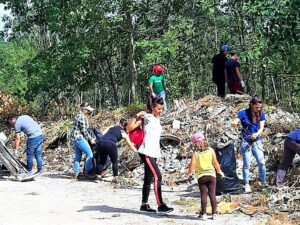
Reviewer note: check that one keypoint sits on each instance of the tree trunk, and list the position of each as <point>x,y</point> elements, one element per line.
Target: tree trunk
<point>132,64</point>
<point>111,77</point>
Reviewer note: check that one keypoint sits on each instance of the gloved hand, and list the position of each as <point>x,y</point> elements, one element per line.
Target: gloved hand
<point>221,173</point>
<point>153,95</point>
<point>190,179</point>
<point>243,84</point>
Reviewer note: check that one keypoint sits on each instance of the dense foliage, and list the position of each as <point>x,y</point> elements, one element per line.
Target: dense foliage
<point>60,52</point>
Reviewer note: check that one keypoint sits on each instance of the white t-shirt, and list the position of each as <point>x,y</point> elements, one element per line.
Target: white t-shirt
<point>151,142</point>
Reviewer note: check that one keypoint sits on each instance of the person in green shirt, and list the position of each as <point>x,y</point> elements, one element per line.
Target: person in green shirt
<point>157,84</point>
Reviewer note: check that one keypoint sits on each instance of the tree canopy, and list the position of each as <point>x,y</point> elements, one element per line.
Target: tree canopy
<point>65,51</point>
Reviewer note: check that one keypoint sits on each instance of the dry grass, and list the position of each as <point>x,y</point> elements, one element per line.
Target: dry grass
<point>280,219</point>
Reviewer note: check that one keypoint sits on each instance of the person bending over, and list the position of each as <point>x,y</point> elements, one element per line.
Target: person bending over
<point>108,146</point>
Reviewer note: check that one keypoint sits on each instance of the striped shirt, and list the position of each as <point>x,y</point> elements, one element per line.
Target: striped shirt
<point>80,128</point>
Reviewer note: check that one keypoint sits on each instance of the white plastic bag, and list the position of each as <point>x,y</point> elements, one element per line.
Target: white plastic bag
<point>243,84</point>
<point>176,124</point>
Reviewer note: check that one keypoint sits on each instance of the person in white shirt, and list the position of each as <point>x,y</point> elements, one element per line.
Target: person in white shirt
<point>149,151</point>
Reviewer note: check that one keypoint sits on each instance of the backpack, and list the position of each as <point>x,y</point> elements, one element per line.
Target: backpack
<point>137,135</point>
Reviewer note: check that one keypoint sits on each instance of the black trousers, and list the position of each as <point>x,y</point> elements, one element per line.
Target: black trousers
<point>291,148</point>
<point>151,171</point>
<point>108,149</point>
<point>221,89</point>
<point>208,184</point>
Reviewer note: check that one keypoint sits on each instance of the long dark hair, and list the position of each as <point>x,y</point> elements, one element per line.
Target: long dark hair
<point>123,122</point>
<point>152,101</point>
<point>254,116</point>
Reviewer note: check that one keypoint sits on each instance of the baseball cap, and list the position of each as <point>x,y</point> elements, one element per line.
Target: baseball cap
<point>158,68</point>
<point>86,106</point>
<point>197,137</point>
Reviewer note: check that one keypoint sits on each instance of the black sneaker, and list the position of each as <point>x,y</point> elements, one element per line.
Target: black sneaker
<point>164,208</point>
<point>88,176</point>
<point>146,208</point>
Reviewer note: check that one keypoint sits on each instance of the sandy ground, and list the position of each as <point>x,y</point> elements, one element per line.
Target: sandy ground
<point>54,199</point>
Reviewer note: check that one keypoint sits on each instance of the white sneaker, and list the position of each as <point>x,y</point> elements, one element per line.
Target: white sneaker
<point>202,217</point>
<point>247,188</point>
<point>214,216</point>
<point>108,178</point>
<point>30,173</point>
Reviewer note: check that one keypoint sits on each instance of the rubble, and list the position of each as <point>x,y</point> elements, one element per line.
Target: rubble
<point>15,167</point>
<point>213,116</point>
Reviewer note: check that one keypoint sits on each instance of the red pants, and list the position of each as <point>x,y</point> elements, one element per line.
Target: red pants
<point>235,87</point>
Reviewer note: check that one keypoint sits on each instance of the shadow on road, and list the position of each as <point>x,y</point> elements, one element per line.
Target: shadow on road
<point>109,209</point>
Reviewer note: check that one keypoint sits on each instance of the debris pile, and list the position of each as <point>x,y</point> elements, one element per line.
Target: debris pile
<point>212,115</point>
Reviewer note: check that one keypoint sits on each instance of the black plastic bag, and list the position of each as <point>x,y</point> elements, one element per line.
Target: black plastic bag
<point>230,184</point>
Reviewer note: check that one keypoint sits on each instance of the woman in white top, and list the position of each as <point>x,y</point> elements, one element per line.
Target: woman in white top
<point>149,151</point>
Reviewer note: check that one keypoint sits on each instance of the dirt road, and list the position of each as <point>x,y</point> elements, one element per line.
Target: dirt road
<point>57,200</point>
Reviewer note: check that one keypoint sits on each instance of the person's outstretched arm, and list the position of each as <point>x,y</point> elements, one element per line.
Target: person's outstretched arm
<point>17,141</point>
<point>165,84</point>
<point>151,87</point>
<point>238,73</point>
<point>192,165</point>
<point>216,164</point>
<point>128,142</point>
<point>261,128</point>
<point>136,121</point>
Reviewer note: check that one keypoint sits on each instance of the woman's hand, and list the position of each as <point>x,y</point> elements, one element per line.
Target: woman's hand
<point>235,122</point>
<point>254,136</point>
<point>140,114</point>
<point>93,142</point>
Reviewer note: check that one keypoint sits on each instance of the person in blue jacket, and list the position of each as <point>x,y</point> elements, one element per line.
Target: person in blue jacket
<point>291,148</point>
<point>252,120</point>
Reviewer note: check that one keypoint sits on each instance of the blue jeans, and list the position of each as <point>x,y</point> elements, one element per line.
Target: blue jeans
<point>82,146</point>
<point>257,150</point>
<point>163,96</point>
<point>34,147</point>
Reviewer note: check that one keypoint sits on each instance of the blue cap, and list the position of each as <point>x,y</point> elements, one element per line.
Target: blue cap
<point>225,48</point>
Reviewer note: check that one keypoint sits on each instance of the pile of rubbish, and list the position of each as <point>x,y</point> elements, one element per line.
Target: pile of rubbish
<point>211,115</point>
